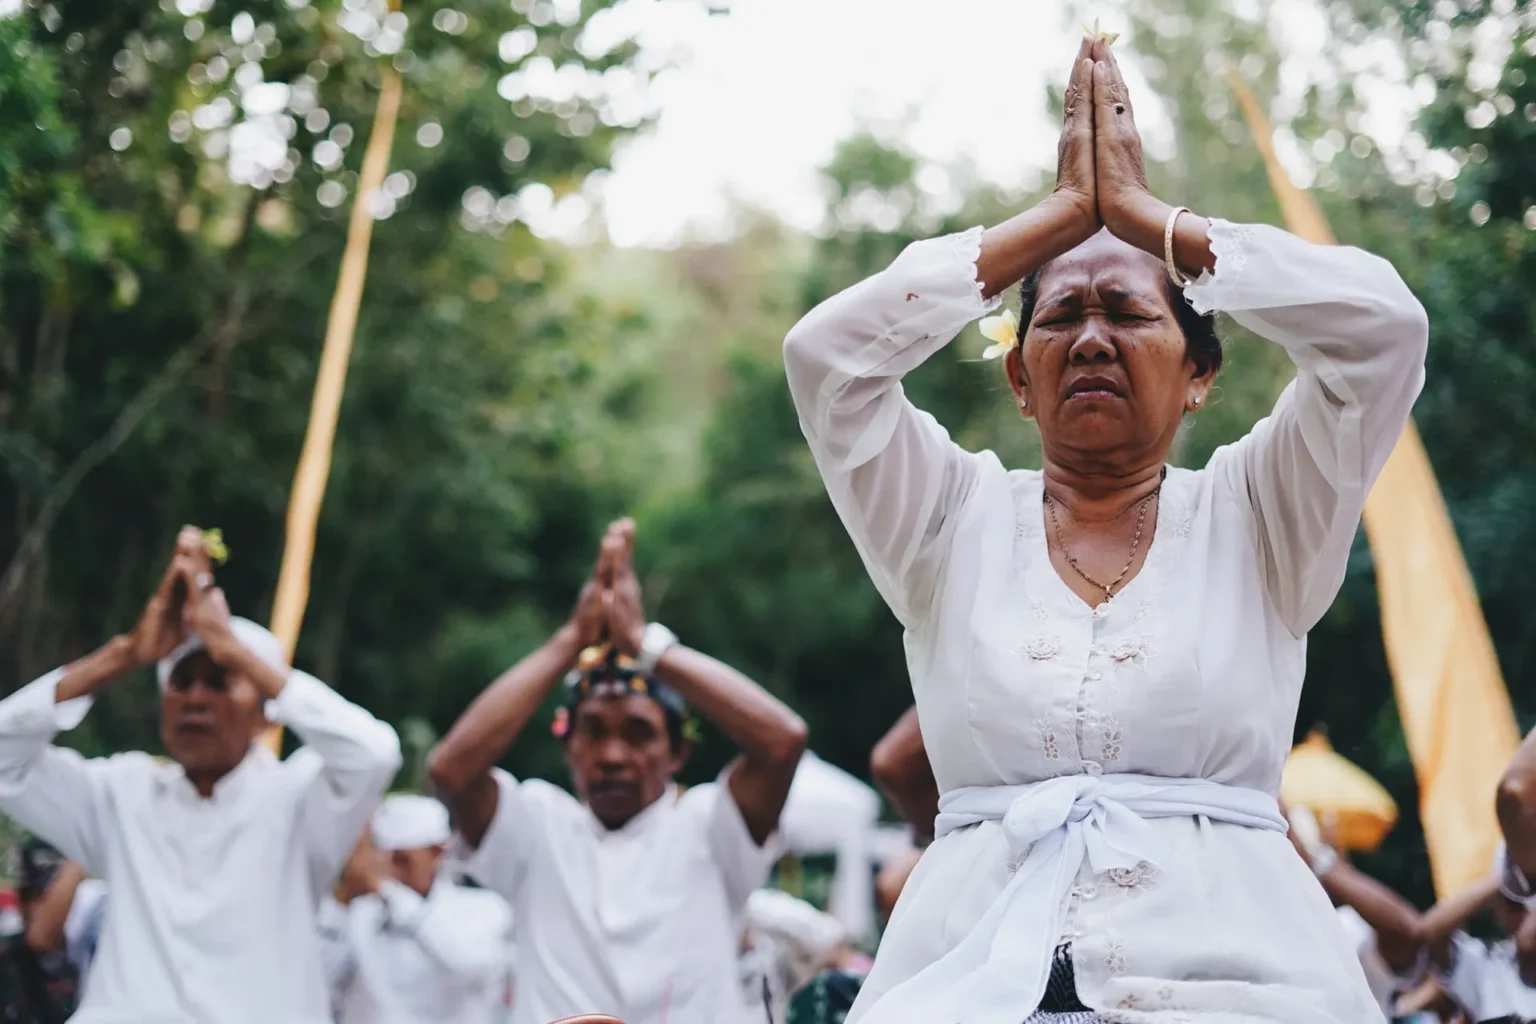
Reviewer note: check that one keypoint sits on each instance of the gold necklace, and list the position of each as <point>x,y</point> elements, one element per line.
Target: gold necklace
<point>1061,542</point>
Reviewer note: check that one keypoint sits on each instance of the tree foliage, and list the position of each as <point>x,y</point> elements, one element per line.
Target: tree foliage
<point>174,181</point>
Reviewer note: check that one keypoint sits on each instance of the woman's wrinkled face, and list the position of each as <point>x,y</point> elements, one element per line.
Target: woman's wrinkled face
<point>1103,362</point>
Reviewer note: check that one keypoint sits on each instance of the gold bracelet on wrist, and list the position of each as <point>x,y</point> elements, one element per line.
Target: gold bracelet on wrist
<point>1173,268</point>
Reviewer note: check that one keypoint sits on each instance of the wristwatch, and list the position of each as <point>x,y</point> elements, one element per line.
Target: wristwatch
<point>654,642</point>
<point>1324,860</point>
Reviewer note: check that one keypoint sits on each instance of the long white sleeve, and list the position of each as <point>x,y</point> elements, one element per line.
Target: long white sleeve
<point>358,756</point>
<point>891,470</point>
<point>463,934</point>
<point>1358,338</point>
<point>337,961</point>
<point>51,790</point>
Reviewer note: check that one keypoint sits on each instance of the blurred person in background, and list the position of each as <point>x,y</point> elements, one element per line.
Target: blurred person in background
<point>1387,932</point>
<point>217,860</point>
<point>1428,1004</point>
<point>1498,980</point>
<point>411,945</point>
<point>900,767</point>
<point>1491,981</point>
<point>628,896</point>
<point>1107,653</point>
<point>1516,802</point>
<point>46,964</point>
<point>787,943</point>
<point>831,811</point>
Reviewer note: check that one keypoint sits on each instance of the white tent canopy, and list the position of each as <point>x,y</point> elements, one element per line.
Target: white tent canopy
<point>831,811</point>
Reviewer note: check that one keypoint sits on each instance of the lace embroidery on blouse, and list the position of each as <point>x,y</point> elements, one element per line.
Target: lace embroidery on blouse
<point>968,252</point>
<point>1135,650</point>
<point>1020,543</point>
<point>1230,244</point>
<point>1041,646</point>
<point>1109,750</point>
<point>1133,881</point>
<point>1049,748</point>
<point>1114,958</point>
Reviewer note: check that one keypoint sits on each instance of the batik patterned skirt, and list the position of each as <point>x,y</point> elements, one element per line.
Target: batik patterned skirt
<point>1060,1004</point>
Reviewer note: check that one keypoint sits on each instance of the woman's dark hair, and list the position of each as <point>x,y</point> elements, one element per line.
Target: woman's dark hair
<point>1201,341</point>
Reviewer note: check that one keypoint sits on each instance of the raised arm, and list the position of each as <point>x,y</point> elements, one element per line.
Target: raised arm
<point>1443,920</point>
<point>1401,933</point>
<point>461,763</point>
<point>45,929</point>
<point>54,791</point>
<point>892,472</point>
<point>1356,333</point>
<point>1516,803</point>
<point>899,764</point>
<point>469,948</point>
<point>770,736</point>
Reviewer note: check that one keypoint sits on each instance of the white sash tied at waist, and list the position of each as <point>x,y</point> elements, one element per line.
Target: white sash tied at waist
<point>997,974</point>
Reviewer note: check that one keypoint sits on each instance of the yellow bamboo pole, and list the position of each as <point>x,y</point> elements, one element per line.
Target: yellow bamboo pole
<point>1455,708</point>
<point>314,466</point>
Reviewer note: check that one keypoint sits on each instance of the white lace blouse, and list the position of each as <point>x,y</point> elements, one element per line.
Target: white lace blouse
<point>1192,671</point>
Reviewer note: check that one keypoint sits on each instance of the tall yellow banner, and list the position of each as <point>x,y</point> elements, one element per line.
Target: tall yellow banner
<point>1455,710</point>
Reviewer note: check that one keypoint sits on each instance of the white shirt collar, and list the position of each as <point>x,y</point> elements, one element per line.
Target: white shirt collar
<point>258,759</point>
<point>650,818</point>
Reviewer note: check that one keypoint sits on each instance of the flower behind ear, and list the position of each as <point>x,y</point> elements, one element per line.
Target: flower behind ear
<point>1003,331</point>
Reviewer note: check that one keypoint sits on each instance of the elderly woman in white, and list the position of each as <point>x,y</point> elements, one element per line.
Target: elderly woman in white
<point>1107,654</point>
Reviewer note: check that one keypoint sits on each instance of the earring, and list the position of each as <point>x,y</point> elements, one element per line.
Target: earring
<point>1197,401</point>
<point>1023,404</point>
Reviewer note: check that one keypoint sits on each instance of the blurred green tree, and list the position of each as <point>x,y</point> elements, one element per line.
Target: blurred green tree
<point>172,211</point>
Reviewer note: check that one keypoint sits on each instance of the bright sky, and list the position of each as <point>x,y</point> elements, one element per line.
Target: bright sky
<point>760,96</point>
<point>764,93</point>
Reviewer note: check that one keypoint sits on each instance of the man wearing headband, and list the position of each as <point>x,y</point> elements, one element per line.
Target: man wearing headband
<point>629,897</point>
<point>412,947</point>
<point>217,860</point>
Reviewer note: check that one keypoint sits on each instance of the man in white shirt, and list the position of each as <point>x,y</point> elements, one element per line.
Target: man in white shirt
<point>629,897</point>
<point>415,948</point>
<point>217,860</point>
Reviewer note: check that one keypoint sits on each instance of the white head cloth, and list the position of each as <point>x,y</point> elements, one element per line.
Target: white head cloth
<point>405,822</point>
<point>999,970</point>
<point>256,639</point>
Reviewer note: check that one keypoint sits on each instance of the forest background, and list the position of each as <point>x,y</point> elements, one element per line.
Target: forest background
<point>175,178</point>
